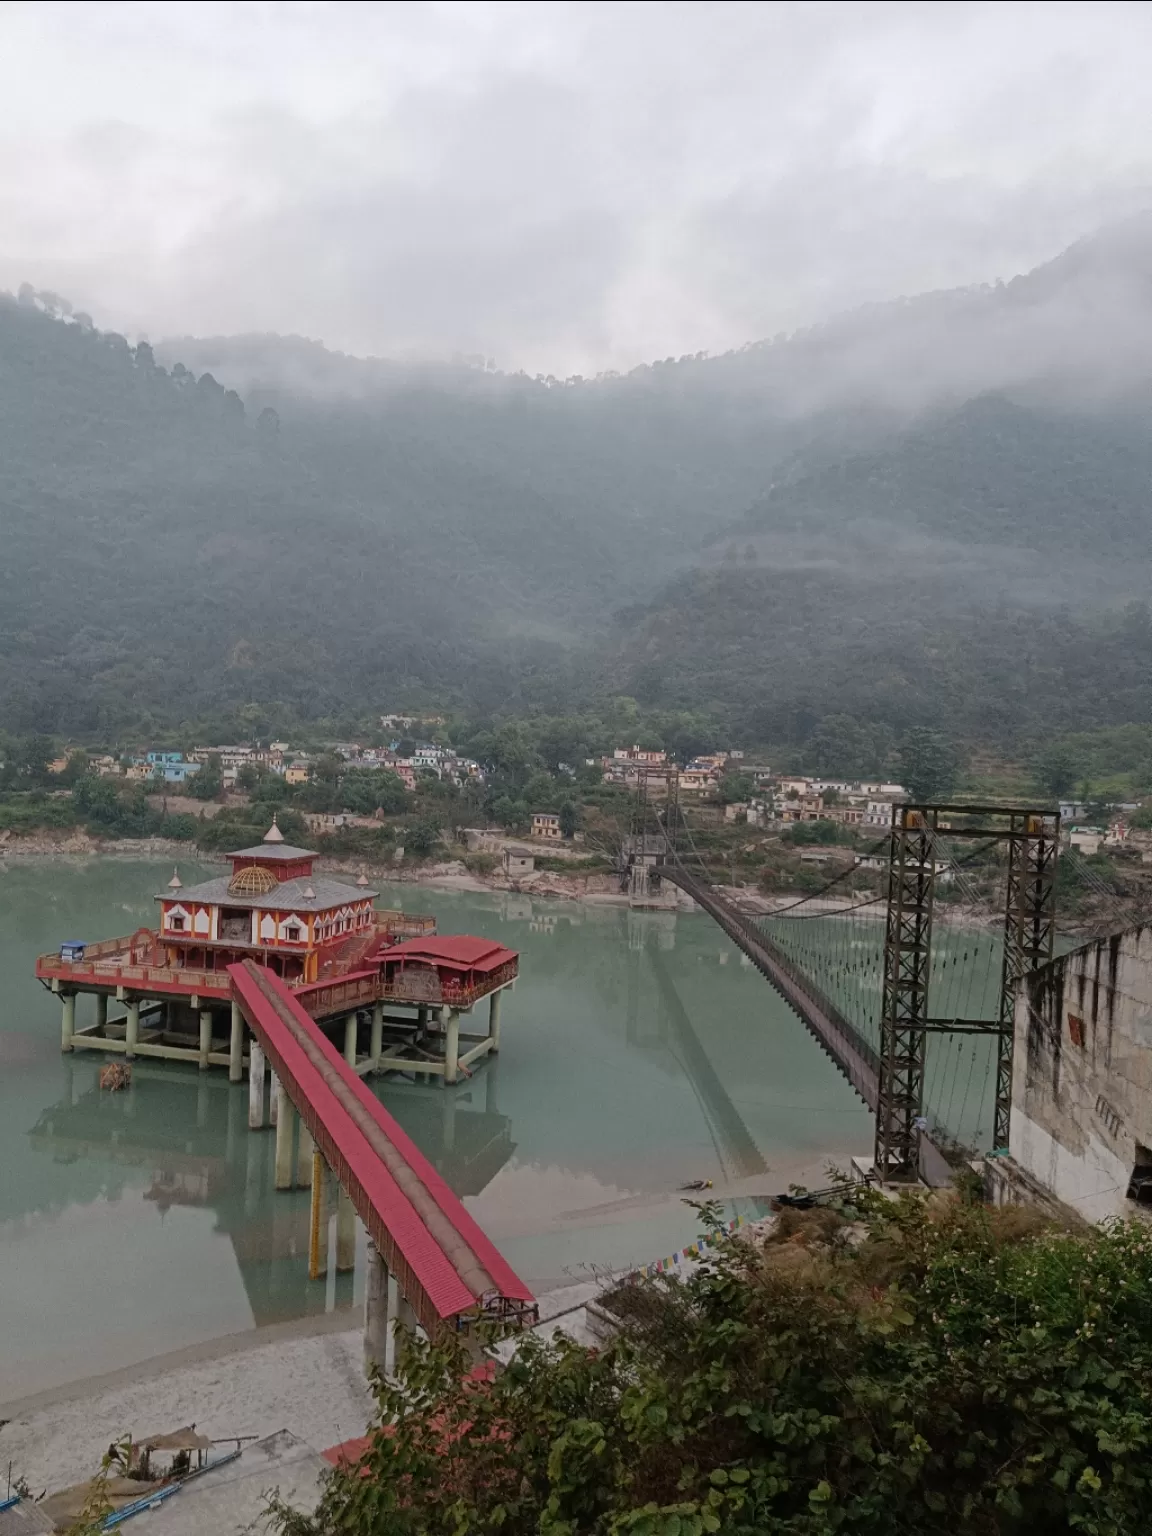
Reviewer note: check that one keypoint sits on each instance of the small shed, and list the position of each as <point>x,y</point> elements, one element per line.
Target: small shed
<point>517,863</point>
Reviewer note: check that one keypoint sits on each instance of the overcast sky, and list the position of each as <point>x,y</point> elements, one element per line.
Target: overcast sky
<point>564,187</point>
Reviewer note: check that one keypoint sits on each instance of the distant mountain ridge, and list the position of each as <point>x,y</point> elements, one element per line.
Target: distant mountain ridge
<point>873,516</point>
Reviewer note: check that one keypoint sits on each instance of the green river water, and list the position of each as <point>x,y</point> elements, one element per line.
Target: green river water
<point>639,1051</point>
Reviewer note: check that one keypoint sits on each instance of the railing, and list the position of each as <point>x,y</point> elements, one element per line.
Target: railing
<point>404,924</point>
<point>329,996</point>
<point>453,994</point>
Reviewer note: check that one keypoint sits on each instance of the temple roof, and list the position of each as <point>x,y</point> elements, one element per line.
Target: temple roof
<point>461,949</point>
<point>274,853</point>
<point>289,894</point>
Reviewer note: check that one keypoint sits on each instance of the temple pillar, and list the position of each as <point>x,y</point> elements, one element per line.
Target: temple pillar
<point>205,1037</point>
<point>236,1046</point>
<point>255,1086</point>
<point>451,1046</point>
<point>377,1293</point>
<point>376,1049</point>
<point>494,1021</point>
<point>101,1011</point>
<point>67,1020</point>
<point>305,1148</point>
<point>132,1027</point>
<point>345,1233</point>
<point>318,1226</point>
<point>350,1039</point>
<point>285,1115</point>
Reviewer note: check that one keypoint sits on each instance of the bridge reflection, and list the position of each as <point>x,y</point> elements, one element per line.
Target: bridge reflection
<point>181,1139</point>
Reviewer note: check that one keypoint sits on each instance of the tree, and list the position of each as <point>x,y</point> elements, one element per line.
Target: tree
<point>569,818</point>
<point>209,782</point>
<point>1056,771</point>
<point>933,1367</point>
<point>422,837</point>
<point>927,764</point>
<point>735,788</point>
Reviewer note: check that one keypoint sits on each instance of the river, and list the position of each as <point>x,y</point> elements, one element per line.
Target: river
<point>639,1051</point>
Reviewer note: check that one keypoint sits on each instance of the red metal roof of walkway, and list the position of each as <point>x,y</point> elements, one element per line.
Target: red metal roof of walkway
<point>446,1266</point>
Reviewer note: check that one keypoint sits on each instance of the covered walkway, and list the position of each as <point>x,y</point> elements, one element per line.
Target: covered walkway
<point>447,1274</point>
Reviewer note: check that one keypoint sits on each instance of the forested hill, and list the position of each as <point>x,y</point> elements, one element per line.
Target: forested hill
<point>169,552</point>
<point>984,572</point>
<point>931,510</point>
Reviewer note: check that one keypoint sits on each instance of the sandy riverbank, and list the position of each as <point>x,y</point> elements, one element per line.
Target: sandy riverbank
<point>305,1376</point>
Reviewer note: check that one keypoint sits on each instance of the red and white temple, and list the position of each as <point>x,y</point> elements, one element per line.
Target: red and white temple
<point>397,990</point>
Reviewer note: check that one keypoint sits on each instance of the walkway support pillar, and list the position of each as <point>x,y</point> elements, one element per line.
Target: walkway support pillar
<point>101,1010</point>
<point>285,1114</point>
<point>205,1037</point>
<point>376,1049</point>
<point>236,1046</point>
<point>318,1225</point>
<point>273,1096</point>
<point>305,1151</point>
<point>405,1315</point>
<point>451,1046</point>
<point>494,1021</point>
<point>67,1020</point>
<point>255,1086</point>
<point>376,1292</point>
<point>350,1039</point>
<point>132,1027</point>
<point>345,1233</point>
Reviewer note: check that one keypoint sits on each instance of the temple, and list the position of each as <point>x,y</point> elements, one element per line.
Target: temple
<point>272,908</point>
<point>395,989</point>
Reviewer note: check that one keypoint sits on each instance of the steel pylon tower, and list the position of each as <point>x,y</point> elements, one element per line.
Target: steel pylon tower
<point>906,1019</point>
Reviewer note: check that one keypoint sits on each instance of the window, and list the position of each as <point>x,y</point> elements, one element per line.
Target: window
<point>293,933</point>
<point>176,924</point>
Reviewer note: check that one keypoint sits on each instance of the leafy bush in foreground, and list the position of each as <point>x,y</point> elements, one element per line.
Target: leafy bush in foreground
<point>931,1367</point>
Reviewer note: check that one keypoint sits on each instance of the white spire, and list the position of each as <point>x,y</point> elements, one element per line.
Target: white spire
<point>175,884</point>
<point>363,880</point>
<point>309,893</point>
<point>273,834</point>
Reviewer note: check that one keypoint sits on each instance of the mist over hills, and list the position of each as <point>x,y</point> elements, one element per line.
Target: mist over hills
<point>935,509</point>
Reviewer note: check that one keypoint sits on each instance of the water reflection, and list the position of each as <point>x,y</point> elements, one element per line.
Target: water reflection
<point>187,1134</point>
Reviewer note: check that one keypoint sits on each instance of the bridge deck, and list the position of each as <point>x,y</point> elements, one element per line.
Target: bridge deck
<point>446,1266</point>
<point>835,1034</point>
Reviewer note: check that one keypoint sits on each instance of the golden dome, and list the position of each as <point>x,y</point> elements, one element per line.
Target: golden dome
<point>252,880</point>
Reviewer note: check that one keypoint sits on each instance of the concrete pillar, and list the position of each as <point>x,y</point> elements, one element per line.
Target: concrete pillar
<point>405,1316</point>
<point>67,1020</point>
<point>318,1226</point>
<point>205,1037</point>
<point>350,1039</point>
<point>494,1021</point>
<point>451,1046</point>
<point>273,1096</point>
<point>376,1298</point>
<point>236,1046</point>
<point>101,1010</point>
<point>255,1086</point>
<point>285,1115</point>
<point>345,1233</point>
<point>305,1149</point>
<point>132,1027</point>
<point>422,1021</point>
<point>376,1049</point>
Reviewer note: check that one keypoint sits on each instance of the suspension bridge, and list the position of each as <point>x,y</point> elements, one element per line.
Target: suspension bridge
<point>911,990</point>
